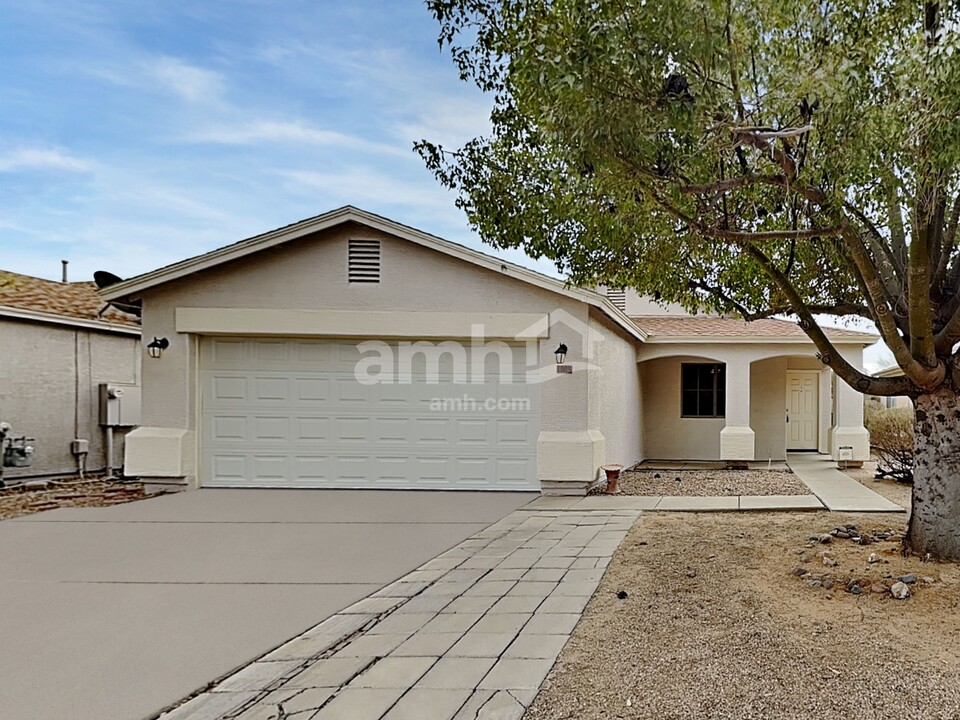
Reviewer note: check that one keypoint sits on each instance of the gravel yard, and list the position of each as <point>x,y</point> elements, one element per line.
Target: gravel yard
<point>716,624</point>
<point>26,500</point>
<point>700,483</point>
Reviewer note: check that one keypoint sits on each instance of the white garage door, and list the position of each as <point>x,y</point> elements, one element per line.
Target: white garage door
<point>292,413</point>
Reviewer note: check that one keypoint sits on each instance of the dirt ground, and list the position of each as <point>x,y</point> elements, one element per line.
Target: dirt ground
<point>19,501</point>
<point>700,483</point>
<point>893,491</point>
<point>717,624</point>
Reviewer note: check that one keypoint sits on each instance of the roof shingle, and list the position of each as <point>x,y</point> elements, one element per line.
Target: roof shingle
<point>72,300</point>
<point>720,327</point>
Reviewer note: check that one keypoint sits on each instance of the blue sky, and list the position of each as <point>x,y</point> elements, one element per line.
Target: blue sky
<point>134,133</point>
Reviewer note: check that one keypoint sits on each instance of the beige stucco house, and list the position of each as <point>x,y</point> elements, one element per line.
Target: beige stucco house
<point>897,401</point>
<point>58,342</point>
<point>348,350</point>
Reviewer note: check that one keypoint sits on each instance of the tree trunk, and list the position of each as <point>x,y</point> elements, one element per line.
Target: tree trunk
<point>935,517</point>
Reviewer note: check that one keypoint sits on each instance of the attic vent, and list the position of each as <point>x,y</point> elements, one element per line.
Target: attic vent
<point>618,298</point>
<point>363,263</point>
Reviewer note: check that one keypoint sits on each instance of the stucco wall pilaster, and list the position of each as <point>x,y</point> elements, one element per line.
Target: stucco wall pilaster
<point>848,433</point>
<point>737,438</point>
<point>164,449</point>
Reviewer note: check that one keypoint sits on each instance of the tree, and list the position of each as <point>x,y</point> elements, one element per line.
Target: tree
<point>762,157</point>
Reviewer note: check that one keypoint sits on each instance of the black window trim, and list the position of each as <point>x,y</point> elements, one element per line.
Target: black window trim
<point>715,416</point>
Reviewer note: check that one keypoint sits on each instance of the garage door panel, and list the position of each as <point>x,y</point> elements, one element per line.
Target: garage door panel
<point>392,430</point>
<point>311,429</point>
<point>352,430</point>
<point>279,413</point>
<point>312,389</point>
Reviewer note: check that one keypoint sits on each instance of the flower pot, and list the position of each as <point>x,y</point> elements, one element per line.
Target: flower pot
<point>613,478</point>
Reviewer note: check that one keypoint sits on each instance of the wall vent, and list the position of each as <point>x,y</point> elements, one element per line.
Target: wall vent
<point>618,297</point>
<point>363,262</point>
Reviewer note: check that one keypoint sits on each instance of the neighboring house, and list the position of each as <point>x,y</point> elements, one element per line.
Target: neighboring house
<point>348,350</point>
<point>58,342</point>
<point>898,401</point>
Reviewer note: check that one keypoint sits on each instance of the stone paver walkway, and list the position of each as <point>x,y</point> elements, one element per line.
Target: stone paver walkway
<point>836,490</point>
<point>470,635</point>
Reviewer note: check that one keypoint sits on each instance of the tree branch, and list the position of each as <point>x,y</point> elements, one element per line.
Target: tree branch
<point>949,242</point>
<point>828,353</point>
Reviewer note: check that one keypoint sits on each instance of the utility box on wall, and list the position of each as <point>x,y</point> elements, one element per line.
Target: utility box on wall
<point>119,405</point>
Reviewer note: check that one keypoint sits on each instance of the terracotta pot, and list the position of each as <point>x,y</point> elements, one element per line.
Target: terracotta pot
<point>613,478</point>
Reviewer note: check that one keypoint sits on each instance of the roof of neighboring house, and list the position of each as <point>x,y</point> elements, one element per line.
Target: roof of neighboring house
<point>133,287</point>
<point>41,299</point>
<point>892,371</point>
<point>702,328</point>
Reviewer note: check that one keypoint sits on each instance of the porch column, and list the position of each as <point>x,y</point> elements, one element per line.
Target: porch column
<point>736,438</point>
<point>849,439</point>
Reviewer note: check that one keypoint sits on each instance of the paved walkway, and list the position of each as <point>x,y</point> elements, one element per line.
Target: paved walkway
<point>836,490</point>
<point>470,635</point>
<point>677,503</point>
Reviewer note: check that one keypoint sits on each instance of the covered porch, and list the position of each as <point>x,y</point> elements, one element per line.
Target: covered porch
<point>748,402</point>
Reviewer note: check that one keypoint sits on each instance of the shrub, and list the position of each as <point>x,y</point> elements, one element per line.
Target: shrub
<point>891,439</point>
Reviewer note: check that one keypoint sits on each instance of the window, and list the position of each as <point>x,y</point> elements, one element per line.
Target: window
<point>363,261</point>
<point>703,390</point>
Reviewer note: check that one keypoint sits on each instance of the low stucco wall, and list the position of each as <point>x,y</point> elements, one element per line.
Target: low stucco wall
<point>49,390</point>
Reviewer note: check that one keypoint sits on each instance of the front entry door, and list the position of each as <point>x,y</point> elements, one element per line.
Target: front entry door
<point>802,411</point>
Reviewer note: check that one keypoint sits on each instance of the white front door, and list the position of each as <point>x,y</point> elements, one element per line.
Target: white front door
<point>802,412</point>
<point>291,413</point>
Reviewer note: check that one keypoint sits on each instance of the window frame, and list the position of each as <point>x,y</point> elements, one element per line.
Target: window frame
<point>719,388</point>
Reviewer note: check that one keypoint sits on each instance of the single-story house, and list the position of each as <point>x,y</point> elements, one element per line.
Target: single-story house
<point>348,350</point>
<point>896,401</point>
<point>58,342</point>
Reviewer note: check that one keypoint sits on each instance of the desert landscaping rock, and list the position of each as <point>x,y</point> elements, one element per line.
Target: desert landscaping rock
<point>26,499</point>
<point>900,591</point>
<point>745,640</point>
<point>711,483</point>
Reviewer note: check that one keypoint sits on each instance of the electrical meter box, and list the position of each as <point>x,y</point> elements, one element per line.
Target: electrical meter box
<point>119,405</point>
<point>846,452</point>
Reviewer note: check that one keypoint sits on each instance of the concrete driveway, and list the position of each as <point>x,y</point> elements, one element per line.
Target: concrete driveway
<point>118,612</point>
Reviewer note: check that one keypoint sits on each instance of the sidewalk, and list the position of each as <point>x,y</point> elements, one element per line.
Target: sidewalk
<point>831,489</point>
<point>469,635</point>
<point>836,490</point>
<point>676,503</point>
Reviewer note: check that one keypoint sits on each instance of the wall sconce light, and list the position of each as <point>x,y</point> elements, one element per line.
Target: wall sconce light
<point>157,346</point>
<point>561,354</point>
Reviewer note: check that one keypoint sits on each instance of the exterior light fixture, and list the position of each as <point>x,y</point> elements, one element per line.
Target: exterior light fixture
<point>157,346</point>
<point>561,354</point>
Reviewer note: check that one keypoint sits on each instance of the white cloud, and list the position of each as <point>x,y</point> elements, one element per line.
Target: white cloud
<point>364,187</point>
<point>41,159</point>
<point>190,82</point>
<point>287,131</point>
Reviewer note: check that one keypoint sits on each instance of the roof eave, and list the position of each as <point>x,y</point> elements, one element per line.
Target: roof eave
<point>754,339</point>
<point>55,319</point>
<point>137,285</point>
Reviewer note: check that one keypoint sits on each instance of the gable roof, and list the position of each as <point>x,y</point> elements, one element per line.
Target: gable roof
<point>699,328</point>
<point>77,303</point>
<point>134,287</point>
